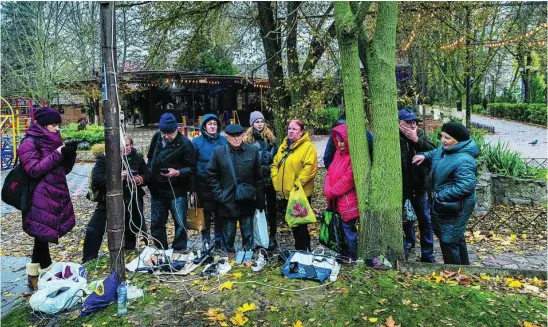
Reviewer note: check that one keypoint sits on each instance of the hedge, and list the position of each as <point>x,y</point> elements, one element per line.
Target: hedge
<point>528,113</point>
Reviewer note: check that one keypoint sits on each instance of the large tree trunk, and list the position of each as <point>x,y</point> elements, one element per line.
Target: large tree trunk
<point>347,35</point>
<point>292,55</point>
<point>383,227</point>
<point>272,47</point>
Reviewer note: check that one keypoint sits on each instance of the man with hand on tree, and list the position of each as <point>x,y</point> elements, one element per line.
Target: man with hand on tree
<point>413,141</point>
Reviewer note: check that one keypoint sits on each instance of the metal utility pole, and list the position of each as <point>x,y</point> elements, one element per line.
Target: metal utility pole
<point>111,114</point>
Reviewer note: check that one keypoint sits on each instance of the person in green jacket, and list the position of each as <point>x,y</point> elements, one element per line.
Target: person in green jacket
<point>452,182</point>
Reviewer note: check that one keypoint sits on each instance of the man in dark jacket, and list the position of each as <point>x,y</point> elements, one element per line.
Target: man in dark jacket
<point>134,179</point>
<point>244,160</point>
<point>172,165</point>
<point>412,141</point>
<point>330,147</point>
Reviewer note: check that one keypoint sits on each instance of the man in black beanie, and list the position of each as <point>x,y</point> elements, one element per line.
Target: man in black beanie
<point>172,165</point>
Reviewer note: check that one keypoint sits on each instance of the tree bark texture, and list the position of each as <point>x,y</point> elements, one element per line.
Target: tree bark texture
<point>292,55</point>
<point>347,35</point>
<point>383,232</point>
<point>111,114</point>
<point>270,36</point>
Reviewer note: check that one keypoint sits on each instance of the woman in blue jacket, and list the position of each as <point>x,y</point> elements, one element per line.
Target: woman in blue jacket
<point>452,182</point>
<point>204,145</point>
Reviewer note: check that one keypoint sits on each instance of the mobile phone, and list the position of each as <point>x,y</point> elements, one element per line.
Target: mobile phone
<point>164,170</point>
<point>58,291</point>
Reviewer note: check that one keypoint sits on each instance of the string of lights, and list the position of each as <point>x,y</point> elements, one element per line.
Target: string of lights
<point>460,43</point>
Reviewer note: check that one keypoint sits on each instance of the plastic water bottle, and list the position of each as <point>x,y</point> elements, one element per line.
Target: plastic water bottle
<point>334,272</point>
<point>122,299</point>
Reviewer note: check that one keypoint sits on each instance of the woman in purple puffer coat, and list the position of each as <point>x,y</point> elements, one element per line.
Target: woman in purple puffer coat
<point>51,215</point>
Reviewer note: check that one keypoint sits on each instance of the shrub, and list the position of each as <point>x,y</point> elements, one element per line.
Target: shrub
<point>499,159</point>
<point>325,119</point>
<point>93,134</point>
<point>529,113</point>
<point>98,149</point>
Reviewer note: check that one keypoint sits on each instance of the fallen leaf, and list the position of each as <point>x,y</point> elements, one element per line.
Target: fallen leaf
<point>237,275</point>
<point>406,302</point>
<point>239,319</point>
<point>373,319</point>
<point>225,286</point>
<point>246,307</point>
<point>391,323</point>
<point>298,324</point>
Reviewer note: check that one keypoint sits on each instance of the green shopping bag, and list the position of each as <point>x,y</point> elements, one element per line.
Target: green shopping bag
<point>298,210</point>
<point>331,233</point>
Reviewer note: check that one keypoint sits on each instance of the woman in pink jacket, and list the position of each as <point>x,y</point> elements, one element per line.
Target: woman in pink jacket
<point>340,191</point>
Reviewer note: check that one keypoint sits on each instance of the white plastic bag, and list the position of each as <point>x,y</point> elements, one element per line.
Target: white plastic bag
<point>260,229</point>
<point>61,292</point>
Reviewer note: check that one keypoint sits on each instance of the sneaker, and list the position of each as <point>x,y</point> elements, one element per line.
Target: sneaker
<point>259,263</point>
<point>223,266</point>
<point>334,272</point>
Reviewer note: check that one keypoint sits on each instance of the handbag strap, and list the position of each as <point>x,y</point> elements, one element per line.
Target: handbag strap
<point>230,164</point>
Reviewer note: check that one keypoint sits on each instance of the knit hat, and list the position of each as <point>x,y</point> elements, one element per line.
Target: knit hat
<point>168,123</point>
<point>407,115</point>
<point>47,116</point>
<point>234,130</point>
<point>456,131</point>
<point>254,116</point>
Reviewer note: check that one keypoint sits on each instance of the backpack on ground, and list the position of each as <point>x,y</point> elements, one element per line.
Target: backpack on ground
<point>18,186</point>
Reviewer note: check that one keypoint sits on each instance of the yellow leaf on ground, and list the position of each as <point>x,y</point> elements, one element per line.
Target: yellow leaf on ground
<point>373,319</point>
<point>524,236</point>
<point>224,324</point>
<point>239,319</point>
<point>237,275</point>
<point>485,276</point>
<point>515,284</point>
<point>528,324</point>
<point>225,286</point>
<point>298,324</point>
<point>246,307</point>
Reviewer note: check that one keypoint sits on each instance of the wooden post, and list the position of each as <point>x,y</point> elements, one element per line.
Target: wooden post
<point>111,114</point>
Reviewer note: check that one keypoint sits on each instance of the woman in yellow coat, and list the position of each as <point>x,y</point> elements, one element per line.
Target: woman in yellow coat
<point>296,159</point>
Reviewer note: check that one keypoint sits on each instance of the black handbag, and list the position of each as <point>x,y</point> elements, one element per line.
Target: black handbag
<point>19,187</point>
<point>244,191</point>
<point>446,209</point>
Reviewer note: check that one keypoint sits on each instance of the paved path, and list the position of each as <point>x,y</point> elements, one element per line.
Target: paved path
<point>517,135</point>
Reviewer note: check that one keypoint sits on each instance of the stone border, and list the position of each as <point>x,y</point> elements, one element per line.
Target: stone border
<point>428,268</point>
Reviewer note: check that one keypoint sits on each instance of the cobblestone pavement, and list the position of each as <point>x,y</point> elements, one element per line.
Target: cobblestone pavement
<point>517,135</point>
<point>534,260</point>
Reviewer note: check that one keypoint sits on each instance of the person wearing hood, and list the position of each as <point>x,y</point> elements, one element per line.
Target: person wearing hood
<point>340,191</point>
<point>260,136</point>
<point>452,182</point>
<point>331,148</point>
<point>296,159</point>
<point>204,145</point>
<point>51,215</point>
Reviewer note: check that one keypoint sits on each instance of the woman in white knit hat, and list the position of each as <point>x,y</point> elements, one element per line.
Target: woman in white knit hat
<point>261,136</point>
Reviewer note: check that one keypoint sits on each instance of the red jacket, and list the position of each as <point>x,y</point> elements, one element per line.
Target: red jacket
<point>339,181</point>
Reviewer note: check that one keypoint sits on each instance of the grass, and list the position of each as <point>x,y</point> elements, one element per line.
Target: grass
<point>359,298</point>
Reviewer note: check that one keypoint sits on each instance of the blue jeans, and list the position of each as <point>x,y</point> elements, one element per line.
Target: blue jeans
<point>159,212</point>
<point>455,253</point>
<point>217,228</point>
<point>351,235</point>
<point>229,232</point>
<point>420,205</point>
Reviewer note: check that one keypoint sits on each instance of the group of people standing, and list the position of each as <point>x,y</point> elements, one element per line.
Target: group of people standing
<point>245,171</point>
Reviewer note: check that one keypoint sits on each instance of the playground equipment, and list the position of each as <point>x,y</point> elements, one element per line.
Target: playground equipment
<point>16,114</point>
